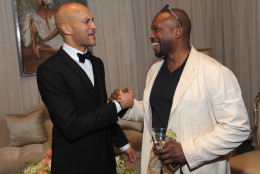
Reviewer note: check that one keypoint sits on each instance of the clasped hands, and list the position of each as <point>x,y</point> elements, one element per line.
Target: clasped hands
<point>124,96</point>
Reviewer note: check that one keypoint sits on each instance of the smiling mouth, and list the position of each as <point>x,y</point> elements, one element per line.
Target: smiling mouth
<point>92,35</point>
<point>155,44</point>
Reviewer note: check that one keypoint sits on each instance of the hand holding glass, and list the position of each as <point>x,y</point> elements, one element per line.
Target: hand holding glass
<point>159,139</point>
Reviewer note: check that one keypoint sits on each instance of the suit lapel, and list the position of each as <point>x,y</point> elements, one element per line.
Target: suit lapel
<point>188,74</point>
<point>99,82</point>
<point>147,93</point>
<point>79,72</point>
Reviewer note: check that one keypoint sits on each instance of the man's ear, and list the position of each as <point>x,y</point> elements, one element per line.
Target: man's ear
<point>66,29</point>
<point>178,32</point>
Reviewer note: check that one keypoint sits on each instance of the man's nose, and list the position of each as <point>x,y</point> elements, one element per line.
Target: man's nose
<point>151,36</point>
<point>94,26</point>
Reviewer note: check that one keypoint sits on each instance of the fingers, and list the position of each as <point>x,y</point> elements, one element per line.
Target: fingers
<point>124,96</point>
<point>131,156</point>
<point>114,96</point>
<point>165,156</point>
<point>172,152</point>
<point>127,99</point>
<point>168,161</point>
<point>155,151</point>
<point>125,89</point>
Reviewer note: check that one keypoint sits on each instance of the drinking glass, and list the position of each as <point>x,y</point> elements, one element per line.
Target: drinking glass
<point>159,138</point>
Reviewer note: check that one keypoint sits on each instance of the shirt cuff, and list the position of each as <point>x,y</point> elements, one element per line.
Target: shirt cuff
<point>125,147</point>
<point>118,107</point>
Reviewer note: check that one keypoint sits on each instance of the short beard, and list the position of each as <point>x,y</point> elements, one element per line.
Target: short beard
<point>159,55</point>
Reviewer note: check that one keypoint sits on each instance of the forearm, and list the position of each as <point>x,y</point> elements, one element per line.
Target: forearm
<point>118,137</point>
<point>136,113</point>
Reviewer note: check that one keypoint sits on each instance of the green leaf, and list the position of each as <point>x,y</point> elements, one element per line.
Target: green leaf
<point>30,163</point>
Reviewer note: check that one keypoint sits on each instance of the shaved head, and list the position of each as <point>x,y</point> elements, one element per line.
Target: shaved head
<point>183,17</point>
<point>171,30</point>
<point>67,13</point>
<point>75,23</point>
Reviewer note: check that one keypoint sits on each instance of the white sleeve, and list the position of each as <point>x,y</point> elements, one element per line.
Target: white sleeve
<point>136,113</point>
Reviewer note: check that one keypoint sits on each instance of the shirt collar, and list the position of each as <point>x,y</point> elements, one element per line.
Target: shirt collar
<point>72,52</point>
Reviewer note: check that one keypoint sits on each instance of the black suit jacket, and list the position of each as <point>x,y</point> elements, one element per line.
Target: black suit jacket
<point>84,126</point>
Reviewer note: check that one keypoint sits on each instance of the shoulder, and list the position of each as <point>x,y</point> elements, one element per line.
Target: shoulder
<point>205,63</point>
<point>212,66</point>
<point>98,60</point>
<point>215,73</point>
<point>53,61</point>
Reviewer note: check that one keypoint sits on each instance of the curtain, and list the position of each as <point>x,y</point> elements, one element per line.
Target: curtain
<point>16,92</point>
<point>230,27</point>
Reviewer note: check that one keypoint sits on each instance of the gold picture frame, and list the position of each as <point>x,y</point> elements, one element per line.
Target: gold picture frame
<point>207,51</point>
<point>37,37</point>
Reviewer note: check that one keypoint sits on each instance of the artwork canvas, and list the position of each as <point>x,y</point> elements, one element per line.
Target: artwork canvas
<point>207,51</point>
<point>37,35</point>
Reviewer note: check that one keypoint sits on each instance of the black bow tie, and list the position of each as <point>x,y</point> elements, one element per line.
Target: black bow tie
<point>82,57</point>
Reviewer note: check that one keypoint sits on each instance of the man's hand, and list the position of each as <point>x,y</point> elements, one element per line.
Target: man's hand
<point>127,98</point>
<point>114,96</point>
<point>124,96</point>
<point>171,153</point>
<point>131,156</point>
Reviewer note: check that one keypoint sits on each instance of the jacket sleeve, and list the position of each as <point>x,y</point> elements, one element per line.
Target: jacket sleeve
<point>136,113</point>
<point>118,137</point>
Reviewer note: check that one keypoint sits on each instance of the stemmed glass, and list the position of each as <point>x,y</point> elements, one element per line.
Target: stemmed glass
<point>159,138</point>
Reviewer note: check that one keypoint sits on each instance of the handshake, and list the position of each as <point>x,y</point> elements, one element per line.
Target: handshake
<point>124,96</point>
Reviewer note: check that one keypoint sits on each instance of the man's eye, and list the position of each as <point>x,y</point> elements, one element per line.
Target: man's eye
<point>86,21</point>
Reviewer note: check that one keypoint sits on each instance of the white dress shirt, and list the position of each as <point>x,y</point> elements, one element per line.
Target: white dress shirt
<point>87,67</point>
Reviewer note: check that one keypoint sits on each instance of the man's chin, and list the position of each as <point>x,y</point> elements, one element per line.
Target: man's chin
<point>92,44</point>
<point>158,55</point>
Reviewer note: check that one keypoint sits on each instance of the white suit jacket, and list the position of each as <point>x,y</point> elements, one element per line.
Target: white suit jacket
<point>208,115</point>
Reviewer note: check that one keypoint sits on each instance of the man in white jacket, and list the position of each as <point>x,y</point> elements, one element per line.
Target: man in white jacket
<point>193,95</point>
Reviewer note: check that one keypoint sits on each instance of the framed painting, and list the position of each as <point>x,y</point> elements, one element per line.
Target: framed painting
<point>36,32</point>
<point>207,51</point>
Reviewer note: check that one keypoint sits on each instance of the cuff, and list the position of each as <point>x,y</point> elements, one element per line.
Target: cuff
<point>125,147</point>
<point>118,107</point>
<point>190,154</point>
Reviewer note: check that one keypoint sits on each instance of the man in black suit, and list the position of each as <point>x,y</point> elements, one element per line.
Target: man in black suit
<point>84,126</point>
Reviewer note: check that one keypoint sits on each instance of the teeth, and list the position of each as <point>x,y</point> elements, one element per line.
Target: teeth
<point>154,44</point>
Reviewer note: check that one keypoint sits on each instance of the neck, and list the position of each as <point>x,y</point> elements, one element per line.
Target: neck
<point>176,59</point>
<point>83,49</point>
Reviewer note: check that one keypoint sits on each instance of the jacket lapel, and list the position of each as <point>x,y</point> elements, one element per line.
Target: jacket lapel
<point>79,72</point>
<point>99,81</point>
<point>147,107</point>
<point>188,74</point>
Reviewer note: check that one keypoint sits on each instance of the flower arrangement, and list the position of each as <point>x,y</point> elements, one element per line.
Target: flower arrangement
<point>44,167</point>
<point>122,169</point>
